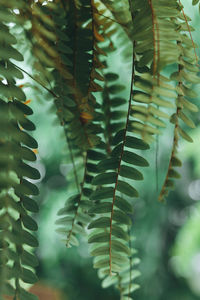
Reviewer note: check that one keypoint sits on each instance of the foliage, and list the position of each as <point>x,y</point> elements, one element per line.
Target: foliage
<point>106,134</point>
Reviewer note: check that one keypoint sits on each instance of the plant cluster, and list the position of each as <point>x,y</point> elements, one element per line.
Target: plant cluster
<point>71,43</point>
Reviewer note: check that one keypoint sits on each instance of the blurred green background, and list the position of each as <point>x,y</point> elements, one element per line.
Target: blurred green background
<point>167,235</point>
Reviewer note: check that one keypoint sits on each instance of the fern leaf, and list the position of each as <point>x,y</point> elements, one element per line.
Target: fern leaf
<point>105,231</point>
<point>17,262</point>
<point>183,105</point>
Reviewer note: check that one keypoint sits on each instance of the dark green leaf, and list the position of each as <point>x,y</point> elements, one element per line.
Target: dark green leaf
<point>172,173</point>
<point>117,151</point>
<point>121,217</point>
<point>27,171</point>
<point>65,220</point>
<point>127,189</point>
<point>102,193</point>
<point>29,223</point>
<point>98,251</point>
<point>8,52</point>
<point>95,155</point>
<point>100,208</point>
<point>185,135</point>
<point>27,140</point>
<point>105,178</point>
<point>83,218</point>
<point>111,76</point>
<point>120,247</point>
<point>28,276</point>
<point>27,188</point>
<point>100,223</point>
<point>135,143</point>
<point>30,204</point>
<point>28,239</point>
<point>119,233</point>
<point>108,164</point>
<point>117,102</point>
<point>23,107</point>
<point>116,88</point>
<point>27,124</point>
<point>102,263</point>
<point>119,137</point>
<point>29,259</point>
<point>27,154</point>
<point>130,172</point>
<point>176,162</point>
<point>24,295</point>
<point>134,159</point>
<point>99,238</point>
<point>123,204</point>
<point>92,168</point>
<point>169,184</point>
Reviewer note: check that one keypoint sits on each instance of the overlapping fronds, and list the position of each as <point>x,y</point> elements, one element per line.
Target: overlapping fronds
<point>84,101</point>
<point>125,280</point>
<point>76,105</point>
<point>73,218</point>
<point>154,36</point>
<point>40,31</point>
<point>71,43</point>
<point>16,240</point>
<point>120,11</point>
<point>109,229</point>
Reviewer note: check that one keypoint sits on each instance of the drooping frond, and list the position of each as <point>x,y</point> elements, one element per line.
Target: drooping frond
<point>16,259</point>
<point>16,223</point>
<point>154,37</point>
<point>185,77</point>
<point>112,108</point>
<point>73,220</point>
<point>71,43</point>
<point>79,202</point>
<point>125,280</point>
<point>41,35</point>
<point>109,229</point>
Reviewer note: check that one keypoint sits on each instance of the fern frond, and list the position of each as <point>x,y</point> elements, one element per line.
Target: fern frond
<point>89,99</point>
<point>186,75</point>
<point>16,260</point>
<point>186,18</point>
<point>15,196</point>
<point>42,38</point>
<point>152,88</point>
<point>125,280</point>
<point>109,234</point>
<point>112,115</point>
<point>120,12</point>
<point>76,105</point>
<point>73,220</point>
<point>71,42</point>
<point>75,215</point>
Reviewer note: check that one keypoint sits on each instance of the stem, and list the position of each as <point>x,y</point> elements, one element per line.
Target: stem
<point>78,204</point>
<point>130,260</point>
<point>73,163</point>
<point>189,32</point>
<point>175,143</point>
<point>120,160</point>
<point>110,19</point>
<point>36,80</point>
